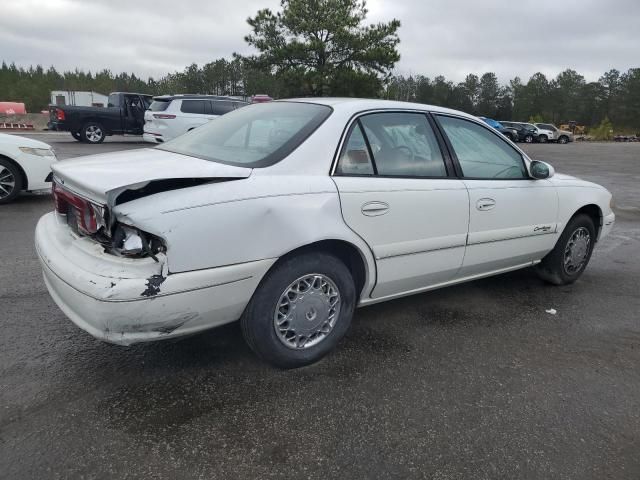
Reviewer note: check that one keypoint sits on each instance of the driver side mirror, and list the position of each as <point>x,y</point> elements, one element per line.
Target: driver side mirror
<point>541,170</point>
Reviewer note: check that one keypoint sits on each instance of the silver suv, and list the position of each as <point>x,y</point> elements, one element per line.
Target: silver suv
<point>554,134</point>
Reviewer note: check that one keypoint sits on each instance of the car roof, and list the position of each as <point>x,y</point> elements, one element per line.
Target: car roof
<point>167,98</point>
<point>361,104</point>
<point>131,93</point>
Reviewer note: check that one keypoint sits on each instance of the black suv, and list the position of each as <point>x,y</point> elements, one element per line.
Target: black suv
<point>525,133</point>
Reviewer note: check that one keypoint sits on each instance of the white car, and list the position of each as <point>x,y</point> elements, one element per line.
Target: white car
<point>25,165</point>
<point>288,215</point>
<point>170,116</point>
<point>554,134</point>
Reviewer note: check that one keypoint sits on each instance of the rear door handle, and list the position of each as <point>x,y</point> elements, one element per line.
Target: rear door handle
<point>485,204</point>
<point>373,209</point>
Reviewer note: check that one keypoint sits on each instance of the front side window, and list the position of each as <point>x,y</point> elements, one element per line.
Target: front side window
<point>402,144</point>
<point>258,135</point>
<point>192,106</point>
<point>114,100</point>
<point>480,152</point>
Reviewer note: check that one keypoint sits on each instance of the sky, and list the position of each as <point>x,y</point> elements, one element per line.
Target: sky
<point>437,37</point>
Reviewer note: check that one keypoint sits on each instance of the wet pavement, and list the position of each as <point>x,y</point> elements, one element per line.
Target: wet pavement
<point>474,381</point>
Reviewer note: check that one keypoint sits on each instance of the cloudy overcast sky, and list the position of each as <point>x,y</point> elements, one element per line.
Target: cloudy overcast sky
<point>438,37</point>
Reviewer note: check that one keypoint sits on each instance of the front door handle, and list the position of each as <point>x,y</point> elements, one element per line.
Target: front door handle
<point>373,209</point>
<point>485,204</point>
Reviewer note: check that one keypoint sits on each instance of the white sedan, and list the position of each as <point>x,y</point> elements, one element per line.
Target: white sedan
<point>288,215</point>
<point>25,164</point>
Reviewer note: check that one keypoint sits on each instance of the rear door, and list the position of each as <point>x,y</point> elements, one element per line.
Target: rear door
<point>397,193</point>
<point>219,107</point>
<point>513,218</point>
<point>193,113</point>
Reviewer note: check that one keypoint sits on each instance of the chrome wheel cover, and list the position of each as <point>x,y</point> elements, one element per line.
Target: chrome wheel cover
<point>307,311</point>
<point>576,250</point>
<point>93,133</point>
<point>7,182</point>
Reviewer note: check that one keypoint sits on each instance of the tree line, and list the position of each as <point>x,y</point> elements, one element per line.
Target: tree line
<point>325,48</point>
<point>615,97</point>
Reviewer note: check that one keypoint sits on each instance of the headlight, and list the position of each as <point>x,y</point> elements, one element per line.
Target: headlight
<point>38,152</point>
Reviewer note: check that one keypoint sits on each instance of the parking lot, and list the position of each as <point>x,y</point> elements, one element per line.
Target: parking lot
<point>473,381</point>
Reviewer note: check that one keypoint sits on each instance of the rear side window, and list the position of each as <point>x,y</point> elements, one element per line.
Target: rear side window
<point>192,106</point>
<point>159,105</point>
<point>482,153</point>
<point>355,159</point>
<point>220,107</point>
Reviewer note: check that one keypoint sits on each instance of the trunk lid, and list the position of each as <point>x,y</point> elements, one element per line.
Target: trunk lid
<point>103,177</point>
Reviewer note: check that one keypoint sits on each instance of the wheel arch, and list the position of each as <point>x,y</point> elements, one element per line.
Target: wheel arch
<point>86,121</point>
<point>352,256</point>
<point>595,213</point>
<point>23,175</point>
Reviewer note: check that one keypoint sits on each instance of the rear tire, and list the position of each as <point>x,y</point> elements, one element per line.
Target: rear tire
<point>571,255</point>
<point>92,132</point>
<point>77,136</point>
<point>322,290</point>
<point>10,181</point>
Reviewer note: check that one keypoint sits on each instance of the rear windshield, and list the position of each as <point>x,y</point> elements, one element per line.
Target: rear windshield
<point>159,105</point>
<point>254,136</point>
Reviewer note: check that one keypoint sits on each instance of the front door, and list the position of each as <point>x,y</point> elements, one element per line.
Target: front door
<point>396,193</point>
<point>513,218</point>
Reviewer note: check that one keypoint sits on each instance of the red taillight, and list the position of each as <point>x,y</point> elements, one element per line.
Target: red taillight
<point>163,116</point>
<point>83,210</point>
<point>60,114</point>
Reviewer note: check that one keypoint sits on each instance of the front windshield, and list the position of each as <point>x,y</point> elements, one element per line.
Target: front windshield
<point>254,136</point>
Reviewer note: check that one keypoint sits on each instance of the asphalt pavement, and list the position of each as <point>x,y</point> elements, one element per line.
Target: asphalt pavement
<point>474,381</point>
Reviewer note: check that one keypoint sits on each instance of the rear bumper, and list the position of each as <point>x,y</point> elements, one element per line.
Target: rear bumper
<point>126,301</point>
<point>57,126</point>
<point>152,138</point>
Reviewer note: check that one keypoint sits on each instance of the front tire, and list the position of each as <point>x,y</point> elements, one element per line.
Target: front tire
<point>528,139</point>
<point>542,139</point>
<point>93,132</point>
<point>563,140</point>
<point>569,258</point>
<point>300,310</point>
<point>10,181</point>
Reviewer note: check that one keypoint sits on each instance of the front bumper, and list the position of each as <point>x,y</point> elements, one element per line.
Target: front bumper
<point>38,171</point>
<point>126,301</point>
<point>607,225</point>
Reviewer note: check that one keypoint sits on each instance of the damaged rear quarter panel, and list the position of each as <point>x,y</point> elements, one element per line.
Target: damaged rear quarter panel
<point>261,217</point>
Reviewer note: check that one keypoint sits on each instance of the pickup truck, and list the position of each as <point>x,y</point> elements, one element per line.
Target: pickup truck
<point>124,114</point>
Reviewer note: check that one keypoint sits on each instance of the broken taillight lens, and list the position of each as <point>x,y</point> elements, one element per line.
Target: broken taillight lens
<point>88,215</point>
<point>60,114</point>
